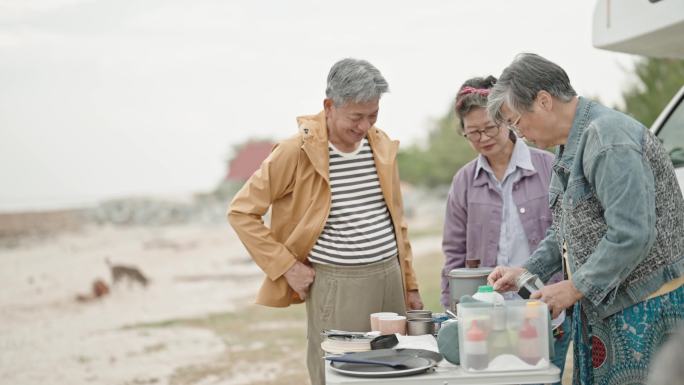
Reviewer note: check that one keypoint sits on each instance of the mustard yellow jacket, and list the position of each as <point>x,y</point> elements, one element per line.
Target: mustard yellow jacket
<point>294,182</point>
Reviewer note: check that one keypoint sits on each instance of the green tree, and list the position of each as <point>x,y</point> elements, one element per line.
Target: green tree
<point>436,163</point>
<point>657,81</point>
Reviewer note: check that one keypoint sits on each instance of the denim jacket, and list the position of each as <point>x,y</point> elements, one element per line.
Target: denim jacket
<point>618,208</point>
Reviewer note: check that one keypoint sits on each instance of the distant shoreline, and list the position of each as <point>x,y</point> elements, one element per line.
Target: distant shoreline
<point>16,225</point>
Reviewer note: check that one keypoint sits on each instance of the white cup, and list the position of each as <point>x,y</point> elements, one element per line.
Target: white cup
<point>375,316</point>
<point>392,324</point>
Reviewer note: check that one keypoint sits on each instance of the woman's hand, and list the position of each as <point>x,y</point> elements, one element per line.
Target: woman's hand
<point>503,278</point>
<point>558,296</point>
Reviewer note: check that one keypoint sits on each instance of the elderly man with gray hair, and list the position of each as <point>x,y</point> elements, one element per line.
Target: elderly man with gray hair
<point>337,238</point>
<point>617,228</point>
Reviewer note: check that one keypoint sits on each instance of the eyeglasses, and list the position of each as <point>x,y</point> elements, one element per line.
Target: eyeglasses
<point>475,136</point>
<point>514,126</point>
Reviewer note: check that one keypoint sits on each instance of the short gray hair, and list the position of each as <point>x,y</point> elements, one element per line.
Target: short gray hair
<point>522,80</point>
<point>353,80</point>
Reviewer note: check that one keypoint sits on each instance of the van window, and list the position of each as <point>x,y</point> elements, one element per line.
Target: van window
<point>672,135</point>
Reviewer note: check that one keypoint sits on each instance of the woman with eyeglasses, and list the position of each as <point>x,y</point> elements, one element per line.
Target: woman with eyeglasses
<point>497,207</point>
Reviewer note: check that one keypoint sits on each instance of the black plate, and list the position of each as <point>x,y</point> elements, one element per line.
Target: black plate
<point>416,361</point>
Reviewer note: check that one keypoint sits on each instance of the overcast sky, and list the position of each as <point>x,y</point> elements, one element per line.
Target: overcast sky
<point>104,98</point>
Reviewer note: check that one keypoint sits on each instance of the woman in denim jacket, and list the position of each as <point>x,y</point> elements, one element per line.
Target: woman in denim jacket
<point>618,222</point>
<point>497,208</point>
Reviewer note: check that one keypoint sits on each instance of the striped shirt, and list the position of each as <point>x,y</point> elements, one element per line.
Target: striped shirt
<point>359,228</point>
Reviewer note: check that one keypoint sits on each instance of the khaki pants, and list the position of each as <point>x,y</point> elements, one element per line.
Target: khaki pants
<point>343,297</point>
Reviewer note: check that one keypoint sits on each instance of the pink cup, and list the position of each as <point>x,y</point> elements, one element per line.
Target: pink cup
<point>374,319</point>
<point>392,324</point>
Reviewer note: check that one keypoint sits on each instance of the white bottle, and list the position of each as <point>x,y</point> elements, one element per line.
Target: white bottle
<point>486,293</point>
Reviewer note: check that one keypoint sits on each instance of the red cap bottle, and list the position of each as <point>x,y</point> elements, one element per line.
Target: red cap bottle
<point>476,356</point>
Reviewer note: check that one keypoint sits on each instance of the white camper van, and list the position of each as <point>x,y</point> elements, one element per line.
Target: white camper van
<point>650,28</point>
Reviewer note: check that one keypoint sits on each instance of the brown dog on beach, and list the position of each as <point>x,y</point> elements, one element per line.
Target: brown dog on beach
<point>126,272</point>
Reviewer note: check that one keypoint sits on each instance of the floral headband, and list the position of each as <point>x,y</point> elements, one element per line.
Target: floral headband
<point>470,90</point>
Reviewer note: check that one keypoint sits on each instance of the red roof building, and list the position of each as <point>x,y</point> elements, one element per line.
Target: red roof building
<point>247,160</point>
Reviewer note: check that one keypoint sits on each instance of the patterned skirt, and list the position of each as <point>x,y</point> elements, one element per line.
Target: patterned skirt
<point>618,349</point>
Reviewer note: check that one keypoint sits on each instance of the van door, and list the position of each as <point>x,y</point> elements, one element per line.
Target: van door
<point>669,127</point>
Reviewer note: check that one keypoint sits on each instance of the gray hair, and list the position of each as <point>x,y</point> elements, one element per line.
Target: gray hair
<point>353,80</point>
<point>522,80</point>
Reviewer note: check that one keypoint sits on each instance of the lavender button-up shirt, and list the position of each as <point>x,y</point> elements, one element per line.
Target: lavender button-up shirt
<point>513,247</point>
<point>477,205</point>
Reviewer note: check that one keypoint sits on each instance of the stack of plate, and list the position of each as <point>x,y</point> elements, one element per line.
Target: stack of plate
<point>336,344</point>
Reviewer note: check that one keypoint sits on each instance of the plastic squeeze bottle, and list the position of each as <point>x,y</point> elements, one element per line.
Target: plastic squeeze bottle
<point>476,356</point>
<point>499,341</point>
<point>533,312</point>
<point>528,343</point>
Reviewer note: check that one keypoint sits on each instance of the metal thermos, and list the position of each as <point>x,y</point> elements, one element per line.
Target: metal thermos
<point>527,284</point>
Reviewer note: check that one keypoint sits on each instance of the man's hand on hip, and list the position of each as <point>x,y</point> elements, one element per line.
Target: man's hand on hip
<point>300,277</point>
<point>414,300</point>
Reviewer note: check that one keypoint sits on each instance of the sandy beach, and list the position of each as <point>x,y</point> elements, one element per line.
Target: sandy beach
<point>136,334</point>
<point>47,337</point>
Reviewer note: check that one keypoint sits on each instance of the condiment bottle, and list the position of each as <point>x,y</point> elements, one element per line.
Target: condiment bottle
<point>528,343</point>
<point>499,341</point>
<point>476,356</point>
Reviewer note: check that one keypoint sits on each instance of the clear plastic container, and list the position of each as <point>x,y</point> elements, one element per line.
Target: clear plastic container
<point>509,337</point>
